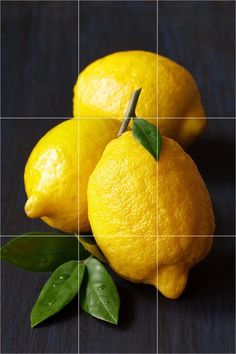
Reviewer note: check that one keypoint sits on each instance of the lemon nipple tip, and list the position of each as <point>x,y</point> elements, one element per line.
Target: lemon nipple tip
<point>32,208</point>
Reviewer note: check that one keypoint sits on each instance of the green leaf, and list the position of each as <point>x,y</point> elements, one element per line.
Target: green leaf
<point>99,296</point>
<point>90,245</point>
<point>58,291</point>
<point>81,274</point>
<point>148,136</point>
<point>41,252</point>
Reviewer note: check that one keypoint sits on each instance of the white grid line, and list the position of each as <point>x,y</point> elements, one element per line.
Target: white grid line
<point>128,236</point>
<point>64,118</point>
<point>78,175</point>
<point>0,178</point>
<point>105,117</point>
<point>157,292</point>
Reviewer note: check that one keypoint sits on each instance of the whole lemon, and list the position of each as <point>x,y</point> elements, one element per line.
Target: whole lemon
<point>104,87</point>
<point>58,169</point>
<point>152,220</point>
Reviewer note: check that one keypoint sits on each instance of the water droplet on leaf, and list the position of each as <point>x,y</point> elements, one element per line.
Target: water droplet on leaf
<point>101,287</point>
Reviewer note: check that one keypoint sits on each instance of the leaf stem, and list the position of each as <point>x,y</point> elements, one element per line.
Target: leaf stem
<point>130,112</point>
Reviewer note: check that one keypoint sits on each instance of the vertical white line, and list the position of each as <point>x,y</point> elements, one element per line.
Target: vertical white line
<point>78,64</point>
<point>1,176</point>
<point>157,299</point>
<point>235,170</point>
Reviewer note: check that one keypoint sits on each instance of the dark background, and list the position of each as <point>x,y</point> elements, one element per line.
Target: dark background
<point>39,69</point>
<point>39,58</point>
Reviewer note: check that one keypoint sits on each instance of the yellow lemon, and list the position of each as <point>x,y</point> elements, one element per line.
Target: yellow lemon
<point>94,135</point>
<point>168,91</point>
<point>152,220</point>
<point>180,111</point>
<point>57,172</point>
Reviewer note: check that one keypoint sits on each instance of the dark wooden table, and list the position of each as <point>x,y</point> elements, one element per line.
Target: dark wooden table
<point>39,68</point>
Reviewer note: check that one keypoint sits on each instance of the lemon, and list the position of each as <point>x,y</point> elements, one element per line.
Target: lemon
<point>57,172</point>
<point>147,216</point>
<point>178,97</point>
<point>104,87</point>
<point>94,135</point>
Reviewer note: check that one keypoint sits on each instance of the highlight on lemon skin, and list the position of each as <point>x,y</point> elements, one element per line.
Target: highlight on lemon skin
<point>169,91</point>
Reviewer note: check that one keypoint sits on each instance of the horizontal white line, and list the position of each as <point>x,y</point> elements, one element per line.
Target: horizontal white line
<point>128,236</point>
<point>105,117</point>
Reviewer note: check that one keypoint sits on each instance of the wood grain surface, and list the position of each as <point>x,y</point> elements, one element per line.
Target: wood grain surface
<point>39,67</point>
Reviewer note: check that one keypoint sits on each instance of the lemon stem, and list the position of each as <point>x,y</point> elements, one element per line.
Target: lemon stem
<point>130,112</point>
